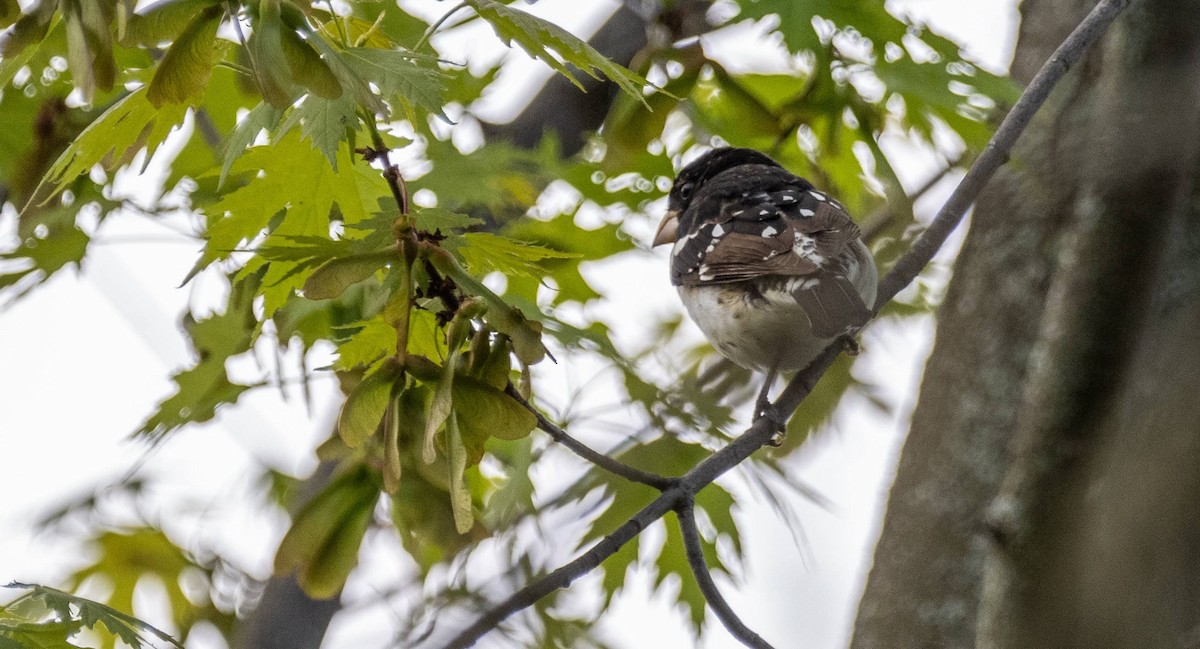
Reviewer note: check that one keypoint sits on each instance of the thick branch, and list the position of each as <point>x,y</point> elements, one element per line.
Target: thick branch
<point>686,512</point>
<point>616,467</point>
<point>905,271</point>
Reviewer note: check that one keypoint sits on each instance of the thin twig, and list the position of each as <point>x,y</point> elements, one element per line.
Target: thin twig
<point>584,451</point>
<point>996,151</point>
<point>686,511</point>
<point>909,266</point>
<point>438,23</point>
<point>876,221</point>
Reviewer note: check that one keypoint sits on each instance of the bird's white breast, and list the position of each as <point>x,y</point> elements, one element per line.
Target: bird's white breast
<point>753,331</point>
<point>760,329</point>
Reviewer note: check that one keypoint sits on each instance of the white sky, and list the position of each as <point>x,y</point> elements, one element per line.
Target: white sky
<point>85,358</point>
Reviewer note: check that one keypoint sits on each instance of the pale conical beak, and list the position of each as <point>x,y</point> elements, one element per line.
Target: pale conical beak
<point>668,228</point>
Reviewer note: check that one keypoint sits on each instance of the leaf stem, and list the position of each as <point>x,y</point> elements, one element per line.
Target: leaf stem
<point>236,67</point>
<point>337,21</point>
<point>438,23</point>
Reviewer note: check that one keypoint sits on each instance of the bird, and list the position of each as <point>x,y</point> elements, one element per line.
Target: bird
<point>770,268</point>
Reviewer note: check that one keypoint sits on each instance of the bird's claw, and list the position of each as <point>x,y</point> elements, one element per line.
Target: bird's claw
<point>777,421</point>
<point>851,346</point>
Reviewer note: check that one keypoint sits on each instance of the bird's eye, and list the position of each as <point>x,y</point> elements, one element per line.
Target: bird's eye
<point>685,191</point>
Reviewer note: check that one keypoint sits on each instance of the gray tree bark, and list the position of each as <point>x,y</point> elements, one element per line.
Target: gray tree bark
<point>923,588</point>
<point>1062,376</point>
<point>1096,519</point>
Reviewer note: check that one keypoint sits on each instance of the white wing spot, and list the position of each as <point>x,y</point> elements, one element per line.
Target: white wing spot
<point>764,212</point>
<point>818,195</point>
<point>806,212</point>
<point>739,212</point>
<point>788,198</point>
<point>769,232</point>
<point>718,230</point>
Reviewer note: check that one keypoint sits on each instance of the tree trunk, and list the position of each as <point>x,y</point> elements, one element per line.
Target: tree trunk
<point>1073,320</point>
<point>924,586</point>
<point>1096,520</point>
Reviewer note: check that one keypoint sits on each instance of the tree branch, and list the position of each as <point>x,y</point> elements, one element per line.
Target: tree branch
<point>904,272</point>
<point>584,451</point>
<point>996,151</point>
<point>686,511</point>
<point>877,221</point>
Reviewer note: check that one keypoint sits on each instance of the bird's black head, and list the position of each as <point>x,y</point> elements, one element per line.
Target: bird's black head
<point>692,177</point>
<point>710,164</point>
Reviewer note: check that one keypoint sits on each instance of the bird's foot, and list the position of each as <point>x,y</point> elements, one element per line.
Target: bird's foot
<point>850,345</point>
<point>778,422</point>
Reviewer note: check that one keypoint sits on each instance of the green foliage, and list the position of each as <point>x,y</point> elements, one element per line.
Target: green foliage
<point>130,125</point>
<point>322,544</point>
<point>555,46</point>
<point>187,65</point>
<point>50,618</point>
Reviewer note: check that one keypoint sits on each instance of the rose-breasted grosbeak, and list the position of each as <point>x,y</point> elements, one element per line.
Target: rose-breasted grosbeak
<point>769,268</point>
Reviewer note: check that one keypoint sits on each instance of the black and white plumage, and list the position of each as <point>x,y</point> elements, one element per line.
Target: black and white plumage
<point>770,268</point>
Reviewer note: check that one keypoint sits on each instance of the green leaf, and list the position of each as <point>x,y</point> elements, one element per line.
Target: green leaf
<point>206,386</point>
<point>72,612</point>
<point>433,219</point>
<point>63,245</point>
<point>526,335</point>
<point>96,18</point>
<point>187,66</point>
<point>132,123</point>
<point>555,46</point>
<point>336,275</point>
<point>485,252</point>
<point>306,66</point>
<point>460,497</point>
<point>396,71</point>
<point>28,29</point>
<point>163,21</point>
<point>266,56</point>
<point>485,411</point>
<point>263,116</point>
<point>348,77</point>
<point>795,20</point>
<point>10,12</point>
<point>326,122</point>
<point>322,543</point>
<point>374,340</point>
<point>270,199</point>
<point>363,409</point>
<point>124,558</point>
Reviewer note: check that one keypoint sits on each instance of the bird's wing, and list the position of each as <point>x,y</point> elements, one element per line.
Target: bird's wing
<point>794,235</point>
